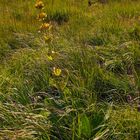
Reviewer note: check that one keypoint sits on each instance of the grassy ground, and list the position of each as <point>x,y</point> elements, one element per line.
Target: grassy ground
<point>97,49</point>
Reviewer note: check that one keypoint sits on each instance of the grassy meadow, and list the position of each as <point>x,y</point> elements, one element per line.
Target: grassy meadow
<point>78,80</point>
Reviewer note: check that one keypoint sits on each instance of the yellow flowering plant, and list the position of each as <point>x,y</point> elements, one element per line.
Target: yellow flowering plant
<point>57,71</point>
<point>44,27</point>
<point>58,79</point>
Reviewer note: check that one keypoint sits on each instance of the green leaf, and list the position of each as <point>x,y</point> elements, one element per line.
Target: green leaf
<point>84,125</point>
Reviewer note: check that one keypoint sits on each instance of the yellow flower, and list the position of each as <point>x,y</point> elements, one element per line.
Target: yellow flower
<point>45,26</point>
<point>57,71</point>
<point>39,4</point>
<point>42,16</point>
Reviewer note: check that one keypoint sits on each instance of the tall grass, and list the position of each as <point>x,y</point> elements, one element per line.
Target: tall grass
<point>95,96</point>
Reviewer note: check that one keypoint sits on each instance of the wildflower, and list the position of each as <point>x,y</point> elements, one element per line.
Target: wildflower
<point>57,71</point>
<point>39,4</point>
<point>42,16</point>
<point>45,26</point>
<point>49,57</point>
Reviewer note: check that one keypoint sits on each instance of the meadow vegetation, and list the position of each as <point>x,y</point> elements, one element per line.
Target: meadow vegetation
<point>77,80</point>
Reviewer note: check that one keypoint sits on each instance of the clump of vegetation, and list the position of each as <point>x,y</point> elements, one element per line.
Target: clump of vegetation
<point>69,71</point>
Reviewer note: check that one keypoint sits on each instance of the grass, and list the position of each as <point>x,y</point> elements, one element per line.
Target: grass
<point>96,96</point>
